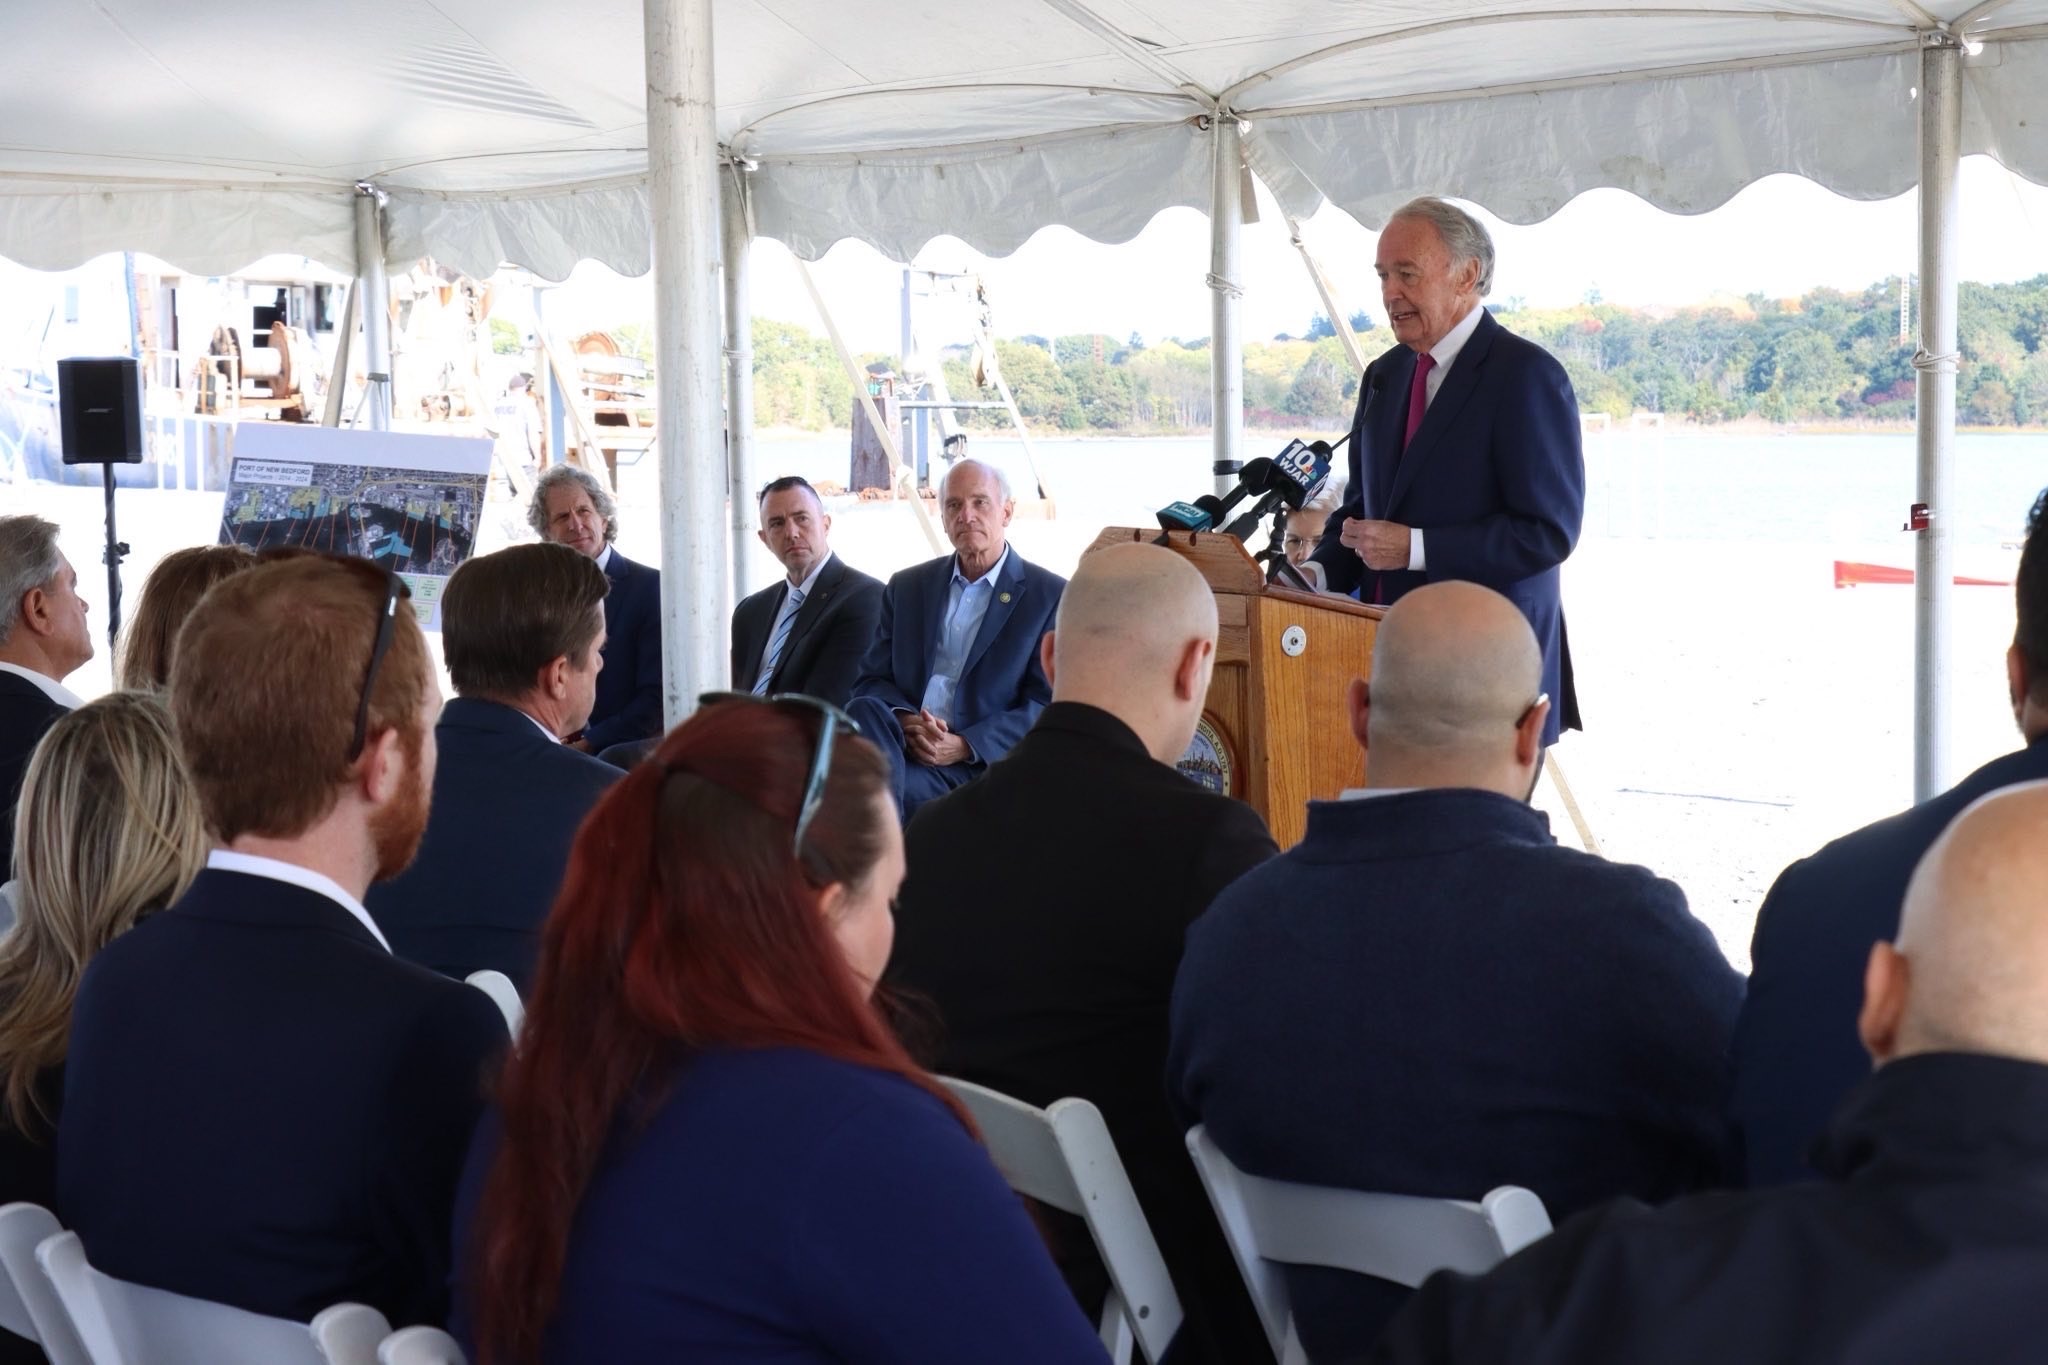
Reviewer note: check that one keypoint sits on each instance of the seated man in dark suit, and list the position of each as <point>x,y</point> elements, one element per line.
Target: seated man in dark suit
<point>571,507</point>
<point>809,632</point>
<point>1925,1244</point>
<point>1796,1052</point>
<point>43,640</point>
<point>1429,996</point>
<point>263,1106</point>
<point>953,678</point>
<point>1054,980</point>
<point>523,634</point>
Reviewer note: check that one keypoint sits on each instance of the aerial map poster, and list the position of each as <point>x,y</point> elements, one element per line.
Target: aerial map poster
<point>409,502</point>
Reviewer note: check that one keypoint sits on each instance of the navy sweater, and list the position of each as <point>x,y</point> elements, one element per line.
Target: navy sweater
<point>782,1206</point>
<point>1429,996</point>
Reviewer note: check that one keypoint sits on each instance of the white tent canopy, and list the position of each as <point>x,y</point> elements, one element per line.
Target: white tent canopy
<point>508,131</point>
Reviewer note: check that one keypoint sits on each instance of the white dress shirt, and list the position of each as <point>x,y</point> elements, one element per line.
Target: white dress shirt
<point>1445,353</point>
<point>249,864</point>
<point>604,559</point>
<point>51,688</point>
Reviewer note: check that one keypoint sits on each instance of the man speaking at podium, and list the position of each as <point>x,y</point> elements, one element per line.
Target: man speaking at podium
<point>1465,458</point>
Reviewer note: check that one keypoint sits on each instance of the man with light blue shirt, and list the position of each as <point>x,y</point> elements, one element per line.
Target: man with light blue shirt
<point>953,680</point>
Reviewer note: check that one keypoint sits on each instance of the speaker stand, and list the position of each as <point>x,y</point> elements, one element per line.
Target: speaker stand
<point>117,550</point>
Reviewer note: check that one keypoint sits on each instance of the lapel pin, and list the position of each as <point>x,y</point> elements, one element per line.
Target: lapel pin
<point>1004,598</point>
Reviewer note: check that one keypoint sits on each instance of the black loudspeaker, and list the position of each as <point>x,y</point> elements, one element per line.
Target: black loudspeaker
<point>100,401</point>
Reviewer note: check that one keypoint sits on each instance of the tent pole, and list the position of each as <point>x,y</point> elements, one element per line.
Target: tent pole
<point>375,412</point>
<point>741,473</point>
<point>1226,342</point>
<point>682,157</point>
<point>1941,128</point>
<point>337,375</point>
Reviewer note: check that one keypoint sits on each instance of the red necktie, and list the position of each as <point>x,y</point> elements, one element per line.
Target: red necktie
<point>1418,397</point>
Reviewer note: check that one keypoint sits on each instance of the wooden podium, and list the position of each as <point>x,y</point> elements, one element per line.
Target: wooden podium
<point>1274,731</point>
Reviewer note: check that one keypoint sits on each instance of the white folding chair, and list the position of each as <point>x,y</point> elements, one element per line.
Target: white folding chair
<point>1063,1158</point>
<point>28,1303</point>
<point>420,1346</point>
<point>1273,1223</point>
<point>131,1324</point>
<point>504,995</point>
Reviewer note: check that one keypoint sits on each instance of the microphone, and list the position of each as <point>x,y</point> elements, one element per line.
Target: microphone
<point>1205,512</point>
<point>1288,480</point>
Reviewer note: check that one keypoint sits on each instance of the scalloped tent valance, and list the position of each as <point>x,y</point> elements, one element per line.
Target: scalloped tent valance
<point>509,131</point>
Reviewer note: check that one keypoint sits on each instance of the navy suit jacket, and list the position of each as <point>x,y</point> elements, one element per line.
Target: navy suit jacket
<point>1797,1052</point>
<point>629,689</point>
<point>507,804</point>
<point>1429,996</point>
<point>264,1107</point>
<point>831,635</point>
<point>1495,481</point>
<point>1002,688</point>
<point>26,715</point>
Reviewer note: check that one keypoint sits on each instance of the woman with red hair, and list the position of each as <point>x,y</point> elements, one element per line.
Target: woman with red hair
<point>709,1146</point>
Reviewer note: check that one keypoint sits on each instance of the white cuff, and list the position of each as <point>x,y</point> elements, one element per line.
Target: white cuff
<point>1415,560</point>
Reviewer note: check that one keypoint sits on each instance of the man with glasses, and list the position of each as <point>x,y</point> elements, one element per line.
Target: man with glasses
<point>1429,996</point>
<point>263,1106</point>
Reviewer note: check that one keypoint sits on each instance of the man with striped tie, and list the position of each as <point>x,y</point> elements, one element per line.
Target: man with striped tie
<point>807,633</point>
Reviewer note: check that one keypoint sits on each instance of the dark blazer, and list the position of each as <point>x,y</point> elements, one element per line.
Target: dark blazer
<point>831,634</point>
<point>629,689</point>
<point>1429,996</point>
<point>26,715</point>
<point>264,1107</point>
<point>1002,689</point>
<point>507,805</point>
<point>28,1175</point>
<point>1495,480</point>
<point>1925,1245</point>
<point>1797,1052</point>
<point>1053,978</point>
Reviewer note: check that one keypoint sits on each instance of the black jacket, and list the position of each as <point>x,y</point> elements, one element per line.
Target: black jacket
<point>1929,1243</point>
<point>1043,916</point>
<point>264,1107</point>
<point>1429,996</point>
<point>629,689</point>
<point>1796,1049</point>
<point>507,804</point>
<point>832,632</point>
<point>26,715</point>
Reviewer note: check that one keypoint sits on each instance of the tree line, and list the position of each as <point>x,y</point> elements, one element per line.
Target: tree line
<point>1829,356</point>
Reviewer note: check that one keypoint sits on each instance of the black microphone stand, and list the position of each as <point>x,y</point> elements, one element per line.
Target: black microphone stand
<point>116,551</point>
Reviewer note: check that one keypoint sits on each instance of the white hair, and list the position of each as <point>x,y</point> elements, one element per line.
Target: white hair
<point>992,471</point>
<point>1464,235</point>
<point>600,498</point>
<point>28,560</point>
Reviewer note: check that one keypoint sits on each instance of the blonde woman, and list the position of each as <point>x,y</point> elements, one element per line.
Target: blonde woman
<point>108,829</point>
<point>175,586</point>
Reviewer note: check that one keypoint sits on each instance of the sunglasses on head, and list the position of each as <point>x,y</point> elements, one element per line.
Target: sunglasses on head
<point>395,590</point>
<point>831,721</point>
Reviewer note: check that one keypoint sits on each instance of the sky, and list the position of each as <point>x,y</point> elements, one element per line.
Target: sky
<point>1780,237</point>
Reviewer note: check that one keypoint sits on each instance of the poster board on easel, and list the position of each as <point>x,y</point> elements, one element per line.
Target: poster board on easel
<point>407,501</point>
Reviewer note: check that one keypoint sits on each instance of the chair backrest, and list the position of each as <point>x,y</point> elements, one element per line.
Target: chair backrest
<point>131,1324</point>
<point>1063,1157</point>
<point>1397,1237</point>
<point>420,1346</point>
<point>504,995</point>
<point>29,1306</point>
